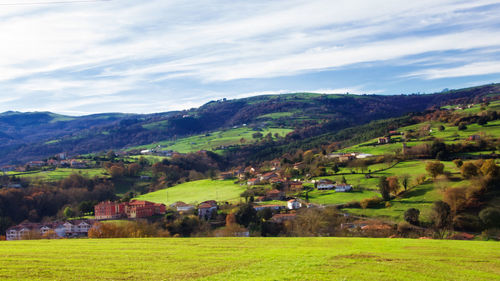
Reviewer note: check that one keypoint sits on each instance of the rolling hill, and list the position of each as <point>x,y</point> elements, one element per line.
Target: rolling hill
<point>36,135</point>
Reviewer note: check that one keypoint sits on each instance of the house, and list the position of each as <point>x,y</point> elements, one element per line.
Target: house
<point>132,209</point>
<point>363,155</point>
<point>474,138</point>
<point>35,163</point>
<point>347,157</point>
<point>145,178</point>
<point>207,209</point>
<point>272,207</point>
<point>75,228</point>
<point>53,162</point>
<point>109,210</point>
<point>293,204</point>
<point>275,165</point>
<point>298,166</point>
<point>182,207</point>
<point>268,176</point>
<point>275,194</point>
<point>294,185</point>
<point>325,184</point>
<point>143,209</point>
<point>253,181</point>
<point>384,140</point>
<point>226,175</point>
<point>280,218</point>
<point>343,187</point>
<point>8,168</point>
<point>77,164</point>
<point>61,156</point>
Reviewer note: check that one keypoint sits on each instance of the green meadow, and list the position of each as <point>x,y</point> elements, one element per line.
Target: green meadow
<point>196,191</point>
<point>60,173</point>
<point>249,259</point>
<point>214,140</point>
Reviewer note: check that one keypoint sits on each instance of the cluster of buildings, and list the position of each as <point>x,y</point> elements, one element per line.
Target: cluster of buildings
<point>133,209</point>
<point>206,209</point>
<point>60,160</point>
<point>69,229</point>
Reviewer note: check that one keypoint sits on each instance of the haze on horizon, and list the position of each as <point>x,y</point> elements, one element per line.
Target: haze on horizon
<point>84,57</point>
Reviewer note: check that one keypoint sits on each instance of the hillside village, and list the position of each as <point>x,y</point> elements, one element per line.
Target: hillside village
<point>363,187</point>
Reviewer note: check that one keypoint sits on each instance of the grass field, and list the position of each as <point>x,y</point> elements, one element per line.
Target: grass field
<point>196,191</point>
<point>420,197</point>
<point>60,173</point>
<point>249,259</point>
<point>214,140</point>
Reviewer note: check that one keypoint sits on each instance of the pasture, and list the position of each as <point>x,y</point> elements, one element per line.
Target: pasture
<point>60,173</point>
<point>249,259</point>
<point>214,140</point>
<point>196,191</point>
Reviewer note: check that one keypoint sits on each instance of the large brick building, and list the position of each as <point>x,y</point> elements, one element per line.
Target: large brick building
<point>132,209</point>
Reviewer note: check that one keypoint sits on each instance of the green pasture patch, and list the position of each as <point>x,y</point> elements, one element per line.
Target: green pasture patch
<point>197,191</point>
<point>214,140</point>
<point>318,258</point>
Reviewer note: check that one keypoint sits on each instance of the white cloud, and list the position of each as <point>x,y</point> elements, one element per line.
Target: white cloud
<point>82,50</point>
<point>479,68</point>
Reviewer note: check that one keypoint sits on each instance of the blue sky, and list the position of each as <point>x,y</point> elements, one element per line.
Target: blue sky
<point>153,56</point>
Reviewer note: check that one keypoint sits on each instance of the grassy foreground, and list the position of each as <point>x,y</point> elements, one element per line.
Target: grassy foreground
<point>249,259</point>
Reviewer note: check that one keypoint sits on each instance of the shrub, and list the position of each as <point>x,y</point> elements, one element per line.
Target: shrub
<point>434,168</point>
<point>411,216</point>
<point>467,222</point>
<point>370,202</point>
<point>469,170</point>
<point>490,217</point>
<point>458,162</point>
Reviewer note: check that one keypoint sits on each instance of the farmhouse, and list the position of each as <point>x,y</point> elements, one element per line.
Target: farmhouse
<point>253,181</point>
<point>294,185</point>
<point>293,204</point>
<point>325,184</point>
<point>280,218</point>
<point>275,195</point>
<point>272,207</point>
<point>207,209</point>
<point>343,187</point>
<point>474,138</point>
<point>268,176</point>
<point>182,207</point>
<point>384,140</point>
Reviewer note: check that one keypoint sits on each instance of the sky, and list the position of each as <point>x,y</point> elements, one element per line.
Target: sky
<point>83,57</point>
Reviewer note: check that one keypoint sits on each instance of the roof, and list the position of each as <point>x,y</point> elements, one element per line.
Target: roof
<point>274,191</point>
<point>205,206</point>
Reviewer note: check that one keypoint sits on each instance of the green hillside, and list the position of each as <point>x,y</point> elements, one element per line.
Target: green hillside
<point>196,191</point>
<point>214,140</point>
<point>249,259</point>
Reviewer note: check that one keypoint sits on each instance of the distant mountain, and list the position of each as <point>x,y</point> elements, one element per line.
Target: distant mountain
<point>37,135</point>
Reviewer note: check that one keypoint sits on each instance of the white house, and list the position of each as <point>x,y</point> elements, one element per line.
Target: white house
<point>293,204</point>
<point>325,184</point>
<point>343,187</point>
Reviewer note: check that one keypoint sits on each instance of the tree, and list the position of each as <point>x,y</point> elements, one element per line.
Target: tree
<point>441,217</point>
<point>462,126</point>
<point>405,180</point>
<point>393,184</point>
<point>434,168</point>
<point>490,168</point>
<point>383,186</point>
<point>257,135</point>
<point>411,216</point>
<point>458,162</point>
<point>469,170</point>
<point>68,212</point>
<point>490,217</point>
<point>245,215</point>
